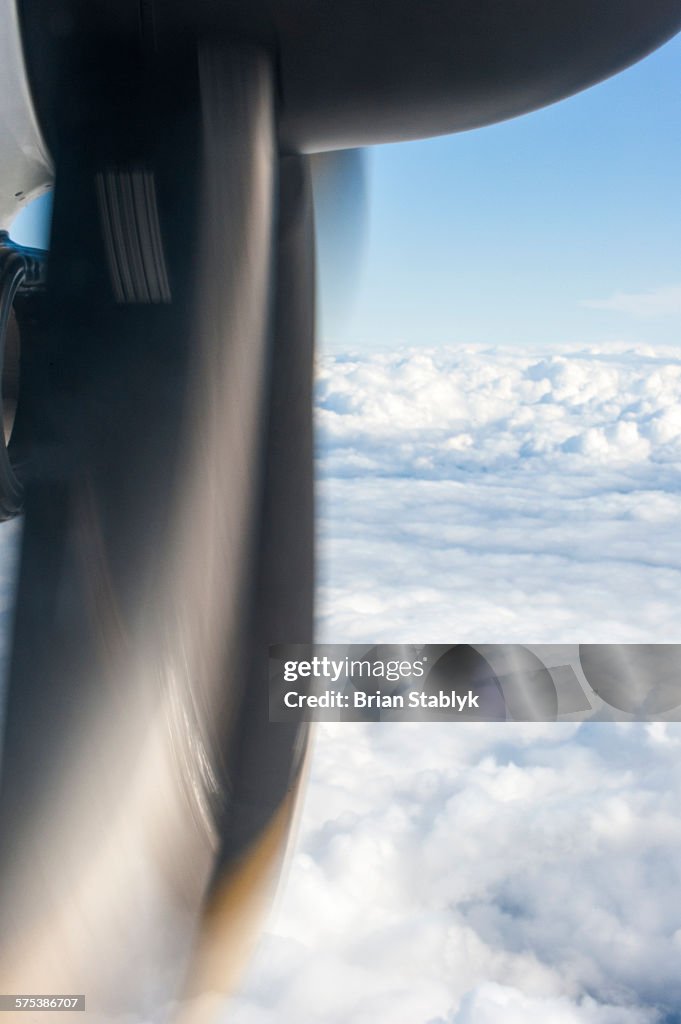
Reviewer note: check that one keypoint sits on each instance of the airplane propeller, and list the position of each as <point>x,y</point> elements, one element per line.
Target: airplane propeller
<point>163,441</point>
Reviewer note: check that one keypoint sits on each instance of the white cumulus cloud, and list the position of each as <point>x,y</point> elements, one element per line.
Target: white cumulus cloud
<point>469,875</point>
<point>500,496</point>
<point>486,873</point>
<point>663,301</point>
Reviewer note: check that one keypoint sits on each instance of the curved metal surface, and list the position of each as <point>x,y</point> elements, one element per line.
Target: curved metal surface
<point>25,164</point>
<point>356,73</point>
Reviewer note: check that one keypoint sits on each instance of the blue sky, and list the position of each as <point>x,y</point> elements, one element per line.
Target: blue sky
<point>505,234</point>
<point>31,226</point>
<point>498,236</point>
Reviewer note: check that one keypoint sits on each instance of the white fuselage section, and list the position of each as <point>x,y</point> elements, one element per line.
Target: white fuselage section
<point>25,164</point>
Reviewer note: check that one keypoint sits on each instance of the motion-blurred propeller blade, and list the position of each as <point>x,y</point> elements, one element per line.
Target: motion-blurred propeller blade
<point>340,188</point>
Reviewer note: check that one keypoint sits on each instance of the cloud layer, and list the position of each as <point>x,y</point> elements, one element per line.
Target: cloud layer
<point>525,873</point>
<point>474,875</point>
<point>500,496</point>
<point>483,874</point>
